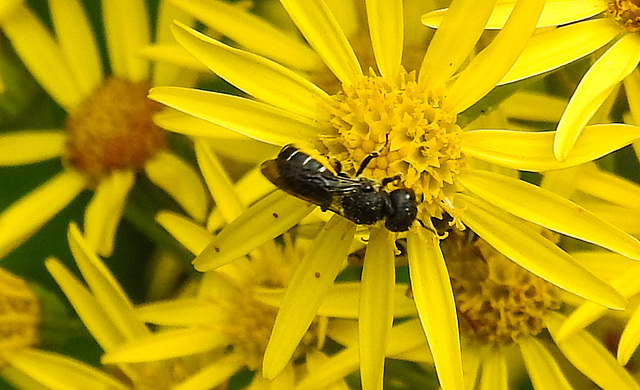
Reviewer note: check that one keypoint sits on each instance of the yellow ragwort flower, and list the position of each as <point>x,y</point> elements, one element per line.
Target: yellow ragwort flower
<point>409,119</point>
<point>109,135</point>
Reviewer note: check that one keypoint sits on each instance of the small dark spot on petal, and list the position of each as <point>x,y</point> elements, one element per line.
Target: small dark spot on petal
<point>217,249</point>
<point>317,275</point>
<point>275,215</point>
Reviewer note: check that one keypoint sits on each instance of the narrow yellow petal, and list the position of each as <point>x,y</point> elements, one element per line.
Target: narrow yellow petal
<point>253,119</point>
<point>183,312</point>
<point>253,33</point>
<point>547,209</point>
<point>489,67</point>
<point>105,287</point>
<point>104,211</point>
<point>47,369</point>
<point>322,31</point>
<point>533,151</point>
<point>386,28</point>
<point>588,355</point>
<point>78,43</point>
<point>629,339</point>
<point>626,283</point>
<point>166,345</point>
<point>126,26</point>
<point>632,90</point>
<point>176,57</point>
<point>376,306</point>
<point>27,215</point>
<point>454,40</point>
<point>270,82</point>
<point>494,372</point>
<point>608,187</point>
<point>186,124</point>
<point>215,374</point>
<point>541,365</point>
<point>29,146</point>
<point>519,242</point>
<point>94,318</point>
<point>42,56</point>
<point>218,182</point>
<point>552,49</point>
<point>263,221</point>
<point>610,69</point>
<point>433,294</point>
<point>556,12</point>
<point>191,235</point>
<point>312,279</point>
<point>181,181</point>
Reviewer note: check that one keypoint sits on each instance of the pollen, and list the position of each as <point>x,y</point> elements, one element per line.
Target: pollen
<point>405,128</point>
<point>497,300</point>
<point>627,13</point>
<point>113,129</point>
<point>19,313</point>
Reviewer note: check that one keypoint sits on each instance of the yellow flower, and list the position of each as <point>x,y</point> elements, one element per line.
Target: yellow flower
<point>586,27</point>
<point>409,119</point>
<point>109,134</point>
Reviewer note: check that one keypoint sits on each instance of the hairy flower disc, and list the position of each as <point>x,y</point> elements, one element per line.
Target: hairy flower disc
<point>497,300</point>
<point>415,139</point>
<point>627,13</point>
<point>19,312</point>
<point>113,129</point>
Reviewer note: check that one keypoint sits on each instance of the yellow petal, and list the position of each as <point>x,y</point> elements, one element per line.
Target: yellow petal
<point>541,365</point>
<point>387,34</point>
<point>626,283</point>
<point>191,235</point>
<point>433,294</point>
<point>312,279</point>
<point>629,339</point>
<point>489,67</point>
<point>218,182</point>
<point>105,287</point>
<point>532,151</point>
<point>167,344</point>
<point>556,12</point>
<point>214,374</point>
<point>494,372</point>
<point>318,25</point>
<point>632,90</point>
<point>94,318</point>
<point>552,49</point>
<point>609,187</point>
<point>454,40</point>
<point>253,119</point>
<point>547,209</point>
<point>589,356</point>
<point>42,56</point>
<point>27,215</point>
<point>29,146</point>
<point>263,221</point>
<point>181,181</point>
<point>173,55</point>
<point>610,69</point>
<point>519,242</point>
<point>253,33</point>
<point>104,211</point>
<point>126,26</point>
<point>376,306</point>
<point>46,368</point>
<point>269,82</point>
<point>77,43</point>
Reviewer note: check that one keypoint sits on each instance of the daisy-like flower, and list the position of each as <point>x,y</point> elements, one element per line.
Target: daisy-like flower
<point>586,26</point>
<point>506,315</point>
<point>409,120</point>
<point>111,318</point>
<point>108,136</point>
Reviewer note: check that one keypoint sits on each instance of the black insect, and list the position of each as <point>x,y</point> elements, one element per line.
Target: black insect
<point>359,199</point>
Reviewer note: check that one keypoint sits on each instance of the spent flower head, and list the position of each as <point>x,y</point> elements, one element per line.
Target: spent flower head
<point>406,121</point>
<point>108,136</point>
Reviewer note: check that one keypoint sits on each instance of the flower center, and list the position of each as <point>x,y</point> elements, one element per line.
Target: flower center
<point>497,300</point>
<point>113,129</point>
<point>413,137</point>
<point>627,13</point>
<point>19,313</point>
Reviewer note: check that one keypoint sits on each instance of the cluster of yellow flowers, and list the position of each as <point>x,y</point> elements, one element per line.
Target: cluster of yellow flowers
<point>371,194</point>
